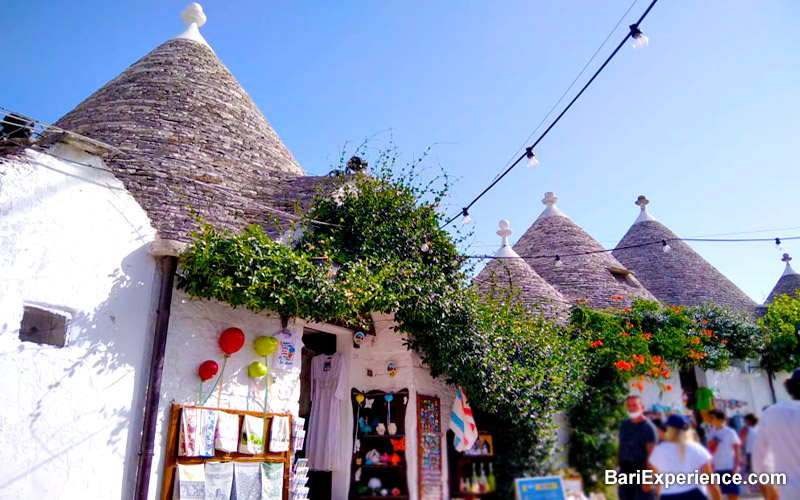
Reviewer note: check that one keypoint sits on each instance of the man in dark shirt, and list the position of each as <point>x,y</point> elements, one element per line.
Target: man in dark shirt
<point>637,437</point>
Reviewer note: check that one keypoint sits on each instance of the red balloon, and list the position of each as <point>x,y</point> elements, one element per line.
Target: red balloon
<point>207,369</point>
<point>231,340</point>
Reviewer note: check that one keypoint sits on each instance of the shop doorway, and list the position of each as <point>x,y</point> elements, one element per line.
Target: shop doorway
<point>320,483</point>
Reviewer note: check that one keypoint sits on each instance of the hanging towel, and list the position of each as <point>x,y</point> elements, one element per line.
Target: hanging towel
<point>246,481</point>
<point>271,481</point>
<point>187,446</point>
<point>190,483</point>
<point>252,440</point>
<point>219,480</point>
<point>462,423</point>
<point>207,430</point>
<point>227,435</point>
<point>280,435</point>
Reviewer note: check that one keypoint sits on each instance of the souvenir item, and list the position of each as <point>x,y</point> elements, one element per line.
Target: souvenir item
<point>328,390</point>
<point>257,369</point>
<point>231,340</point>
<point>219,480</point>
<point>190,483</point>
<point>226,437</point>
<point>462,423</point>
<point>391,368</point>
<point>358,338</point>
<point>380,429</point>
<point>395,492</point>
<point>374,484</point>
<point>246,481</point>
<point>392,428</point>
<point>395,459</point>
<point>399,444</point>
<point>384,492</point>
<point>368,403</point>
<point>271,481</point>
<point>362,425</point>
<point>385,458</point>
<point>373,457</point>
<point>252,438</point>
<point>198,428</point>
<point>279,435</point>
<point>264,345</point>
<point>207,370</point>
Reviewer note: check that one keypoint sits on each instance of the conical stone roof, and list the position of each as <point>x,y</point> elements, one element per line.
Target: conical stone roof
<point>189,135</point>
<point>788,283</point>
<point>507,270</point>
<point>592,275</point>
<point>680,276</point>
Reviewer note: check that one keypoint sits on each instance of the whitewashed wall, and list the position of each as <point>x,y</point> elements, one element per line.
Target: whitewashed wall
<point>71,238</point>
<point>194,330</point>
<point>751,388</point>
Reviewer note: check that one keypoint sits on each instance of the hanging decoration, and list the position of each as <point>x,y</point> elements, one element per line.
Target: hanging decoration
<point>257,369</point>
<point>359,399</point>
<point>264,346</point>
<point>206,370</point>
<point>230,341</point>
<point>391,367</point>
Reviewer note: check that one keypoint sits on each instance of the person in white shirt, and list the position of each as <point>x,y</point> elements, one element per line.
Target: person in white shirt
<point>748,436</point>
<point>679,453</point>
<point>727,451</point>
<point>778,443</point>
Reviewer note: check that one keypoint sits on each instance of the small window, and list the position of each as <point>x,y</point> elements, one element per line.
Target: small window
<point>623,276</point>
<point>44,326</point>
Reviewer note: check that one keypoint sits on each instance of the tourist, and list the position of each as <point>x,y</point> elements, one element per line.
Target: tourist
<point>778,442</point>
<point>748,436</point>
<point>727,451</point>
<point>680,453</point>
<point>637,437</point>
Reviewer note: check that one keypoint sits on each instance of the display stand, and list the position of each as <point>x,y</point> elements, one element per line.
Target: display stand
<point>172,459</point>
<point>429,435</point>
<point>391,467</point>
<point>462,465</point>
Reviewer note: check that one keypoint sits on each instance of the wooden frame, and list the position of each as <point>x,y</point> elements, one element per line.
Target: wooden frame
<point>171,459</point>
<point>429,435</point>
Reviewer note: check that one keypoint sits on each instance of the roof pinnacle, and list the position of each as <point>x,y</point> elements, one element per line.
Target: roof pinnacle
<point>644,215</point>
<point>789,270</point>
<point>194,17</point>
<point>505,249</point>
<point>550,200</point>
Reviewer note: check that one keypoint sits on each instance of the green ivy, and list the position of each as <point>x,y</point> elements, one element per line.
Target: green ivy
<point>782,321</point>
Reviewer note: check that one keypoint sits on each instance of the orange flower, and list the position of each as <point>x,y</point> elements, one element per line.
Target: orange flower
<point>657,359</point>
<point>641,387</point>
<point>641,377</point>
<point>620,364</point>
<point>666,373</point>
<point>627,309</point>
<point>664,364</point>
<point>705,321</point>
<point>640,359</point>
<point>668,387</point>
<point>647,336</point>
<point>633,384</point>
<point>695,340</point>
<point>629,325</point>
<point>656,372</point>
<point>597,343</point>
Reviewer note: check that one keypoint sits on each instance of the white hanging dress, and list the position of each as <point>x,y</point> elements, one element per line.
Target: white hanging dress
<point>328,391</point>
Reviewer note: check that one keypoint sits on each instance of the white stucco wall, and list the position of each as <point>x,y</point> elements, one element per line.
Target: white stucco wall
<point>194,330</point>
<point>71,238</point>
<point>751,388</point>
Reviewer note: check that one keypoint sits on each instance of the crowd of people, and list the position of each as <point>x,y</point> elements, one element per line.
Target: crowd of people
<point>767,445</point>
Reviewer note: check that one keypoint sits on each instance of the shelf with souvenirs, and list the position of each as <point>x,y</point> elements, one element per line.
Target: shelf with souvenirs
<point>472,473</point>
<point>379,467</point>
<point>223,450</point>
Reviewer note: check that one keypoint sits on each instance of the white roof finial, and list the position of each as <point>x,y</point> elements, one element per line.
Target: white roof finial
<point>789,270</point>
<point>644,215</point>
<point>193,13</point>
<point>505,249</point>
<point>194,17</point>
<point>550,200</point>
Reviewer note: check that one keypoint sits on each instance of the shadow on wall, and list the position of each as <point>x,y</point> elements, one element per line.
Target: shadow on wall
<point>100,377</point>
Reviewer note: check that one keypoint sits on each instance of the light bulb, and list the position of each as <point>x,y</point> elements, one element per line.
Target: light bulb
<point>425,247</point>
<point>665,247</point>
<point>639,40</point>
<point>778,245</point>
<point>532,161</point>
<point>467,218</point>
<point>559,262</point>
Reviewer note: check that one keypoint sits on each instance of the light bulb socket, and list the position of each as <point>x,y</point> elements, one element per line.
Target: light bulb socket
<point>559,262</point>
<point>635,31</point>
<point>529,152</point>
<point>778,244</point>
<point>465,213</point>
<point>665,246</point>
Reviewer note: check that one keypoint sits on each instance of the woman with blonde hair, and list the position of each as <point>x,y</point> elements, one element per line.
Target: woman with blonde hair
<point>679,453</point>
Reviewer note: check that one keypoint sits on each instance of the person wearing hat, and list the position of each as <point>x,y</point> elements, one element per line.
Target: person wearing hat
<point>679,453</point>
<point>778,443</point>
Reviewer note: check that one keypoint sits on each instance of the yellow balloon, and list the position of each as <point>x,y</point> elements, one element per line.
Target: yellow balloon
<point>359,398</point>
<point>265,345</point>
<point>257,369</point>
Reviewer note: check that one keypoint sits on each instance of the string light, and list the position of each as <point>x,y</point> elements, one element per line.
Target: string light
<point>559,262</point>
<point>532,161</point>
<point>778,245</point>
<point>665,246</point>
<point>640,41</point>
<point>425,247</point>
<point>467,219</point>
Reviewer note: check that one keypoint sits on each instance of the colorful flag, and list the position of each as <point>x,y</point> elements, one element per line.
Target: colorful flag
<point>462,423</point>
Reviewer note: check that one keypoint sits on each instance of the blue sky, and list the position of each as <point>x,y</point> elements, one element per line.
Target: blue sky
<point>704,121</point>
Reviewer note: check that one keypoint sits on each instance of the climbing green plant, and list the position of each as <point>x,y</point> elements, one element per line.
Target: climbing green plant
<point>644,344</point>
<point>382,227</point>
<point>782,324</point>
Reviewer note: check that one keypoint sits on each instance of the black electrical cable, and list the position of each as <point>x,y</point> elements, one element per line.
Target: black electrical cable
<point>544,134</point>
